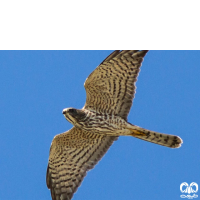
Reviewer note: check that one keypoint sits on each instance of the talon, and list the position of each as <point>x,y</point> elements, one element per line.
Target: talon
<point>137,133</point>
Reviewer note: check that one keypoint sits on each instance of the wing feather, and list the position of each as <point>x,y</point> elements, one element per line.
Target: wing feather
<point>111,87</point>
<point>72,154</point>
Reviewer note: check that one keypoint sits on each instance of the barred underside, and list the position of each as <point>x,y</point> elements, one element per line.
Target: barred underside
<point>163,139</point>
<point>111,87</point>
<point>72,154</point>
<point>110,91</point>
<point>102,123</point>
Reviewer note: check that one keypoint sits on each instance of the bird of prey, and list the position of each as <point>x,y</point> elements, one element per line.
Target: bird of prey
<point>110,91</point>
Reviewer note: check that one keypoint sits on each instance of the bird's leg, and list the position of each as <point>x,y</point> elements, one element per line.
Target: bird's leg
<point>136,133</point>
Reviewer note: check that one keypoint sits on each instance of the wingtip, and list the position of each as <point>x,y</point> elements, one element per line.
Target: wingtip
<point>144,52</point>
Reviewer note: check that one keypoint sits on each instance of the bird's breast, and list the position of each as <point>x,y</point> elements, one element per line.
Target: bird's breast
<point>103,123</point>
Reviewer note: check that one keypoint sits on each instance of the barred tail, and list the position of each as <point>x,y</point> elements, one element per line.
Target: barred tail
<point>172,141</point>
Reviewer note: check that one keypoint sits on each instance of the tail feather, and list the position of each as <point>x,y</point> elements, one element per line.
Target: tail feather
<point>167,140</point>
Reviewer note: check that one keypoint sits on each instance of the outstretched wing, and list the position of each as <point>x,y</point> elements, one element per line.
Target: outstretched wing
<point>72,154</point>
<point>111,87</point>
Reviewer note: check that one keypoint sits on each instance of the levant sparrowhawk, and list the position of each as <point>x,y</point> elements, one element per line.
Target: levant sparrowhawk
<point>110,91</point>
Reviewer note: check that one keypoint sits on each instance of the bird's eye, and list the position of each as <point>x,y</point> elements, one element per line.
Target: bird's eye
<point>72,110</point>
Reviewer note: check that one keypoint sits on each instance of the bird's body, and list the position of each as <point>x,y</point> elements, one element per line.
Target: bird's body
<point>112,125</point>
<point>110,90</point>
<point>92,121</point>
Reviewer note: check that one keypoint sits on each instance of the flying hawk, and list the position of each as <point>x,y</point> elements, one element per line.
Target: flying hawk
<point>110,91</point>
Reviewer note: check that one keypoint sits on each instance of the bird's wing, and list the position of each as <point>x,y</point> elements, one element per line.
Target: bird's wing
<point>72,154</point>
<point>111,87</point>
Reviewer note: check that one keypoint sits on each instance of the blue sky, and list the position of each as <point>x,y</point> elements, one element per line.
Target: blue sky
<point>37,85</point>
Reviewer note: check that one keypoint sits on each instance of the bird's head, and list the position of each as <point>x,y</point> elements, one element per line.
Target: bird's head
<point>73,115</point>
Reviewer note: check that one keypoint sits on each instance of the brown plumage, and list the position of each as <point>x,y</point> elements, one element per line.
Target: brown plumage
<point>110,91</point>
